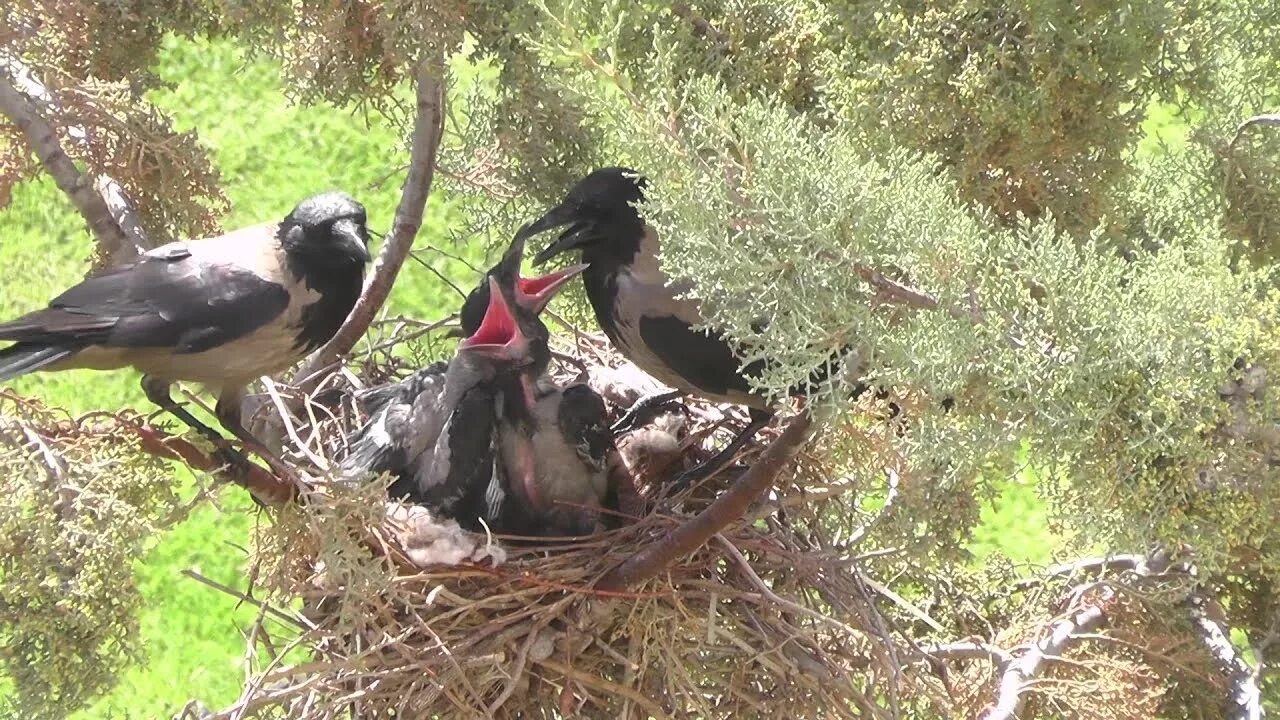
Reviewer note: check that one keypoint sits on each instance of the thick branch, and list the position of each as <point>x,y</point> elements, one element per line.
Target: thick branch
<point>730,506</point>
<point>428,127</point>
<point>1244,699</point>
<point>102,202</point>
<point>1023,671</point>
<point>264,486</point>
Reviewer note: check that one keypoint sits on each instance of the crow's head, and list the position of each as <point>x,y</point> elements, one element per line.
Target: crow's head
<point>327,229</point>
<point>600,214</point>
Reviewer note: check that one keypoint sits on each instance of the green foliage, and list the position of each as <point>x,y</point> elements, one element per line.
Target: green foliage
<point>75,511</point>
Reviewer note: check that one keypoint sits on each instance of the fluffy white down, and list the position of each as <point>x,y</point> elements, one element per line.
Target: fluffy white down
<point>428,541</point>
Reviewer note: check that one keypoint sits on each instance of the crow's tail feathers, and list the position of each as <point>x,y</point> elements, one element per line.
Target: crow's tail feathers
<point>22,358</point>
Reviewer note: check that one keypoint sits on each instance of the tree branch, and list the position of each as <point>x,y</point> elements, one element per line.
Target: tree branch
<point>102,202</point>
<point>264,486</point>
<point>428,127</point>
<point>1244,699</point>
<point>730,506</point>
<point>1023,671</point>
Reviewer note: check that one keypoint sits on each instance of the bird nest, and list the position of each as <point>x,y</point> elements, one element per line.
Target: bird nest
<point>406,615</point>
<point>375,609</point>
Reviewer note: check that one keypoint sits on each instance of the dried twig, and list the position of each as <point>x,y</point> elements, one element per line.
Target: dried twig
<point>731,505</point>
<point>102,202</point>
<point>242,597</point>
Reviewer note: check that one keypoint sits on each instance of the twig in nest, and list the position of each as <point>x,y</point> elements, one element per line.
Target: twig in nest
<point>770,595</point>
<point>242,597</point>
<point>603,685</point>
<point>731,505</point>
<point>285,418</point>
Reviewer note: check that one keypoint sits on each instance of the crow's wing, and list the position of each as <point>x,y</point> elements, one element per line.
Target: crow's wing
<point>167,298</point>
<point>704,360</point>
<point>456,481</point>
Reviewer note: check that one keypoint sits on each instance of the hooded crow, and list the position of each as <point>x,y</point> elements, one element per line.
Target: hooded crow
<point>637,304</point>
<point>219,311</point>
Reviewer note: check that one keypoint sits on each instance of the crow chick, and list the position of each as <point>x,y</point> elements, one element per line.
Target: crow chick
<point>560,448</point>
<point>219,311</point>
<point>553,443</point>
<point>435,429</point>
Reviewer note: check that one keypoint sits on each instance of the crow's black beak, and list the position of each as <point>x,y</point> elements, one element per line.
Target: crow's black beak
<point>499,336</point>
<point>579,234</point>
<point>356,237</point>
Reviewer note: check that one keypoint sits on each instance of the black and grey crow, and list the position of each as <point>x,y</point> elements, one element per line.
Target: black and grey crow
<point>219,311</point>
<point>637,304</point>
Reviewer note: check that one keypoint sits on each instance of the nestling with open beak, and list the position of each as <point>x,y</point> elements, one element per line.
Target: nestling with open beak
<point>435,429</point>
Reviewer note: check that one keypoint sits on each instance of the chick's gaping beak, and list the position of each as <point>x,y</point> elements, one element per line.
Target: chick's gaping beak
<point>533,294</point>
<point>499,336</point>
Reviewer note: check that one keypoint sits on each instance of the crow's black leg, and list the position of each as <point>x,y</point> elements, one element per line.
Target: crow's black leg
<point>759,418</point>
<point>228,411</point>
<point>628,419</point>
<point>157,391</point>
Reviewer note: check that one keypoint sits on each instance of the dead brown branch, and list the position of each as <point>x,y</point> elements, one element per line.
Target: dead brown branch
<point>264,486</point>
<point>730,506</point>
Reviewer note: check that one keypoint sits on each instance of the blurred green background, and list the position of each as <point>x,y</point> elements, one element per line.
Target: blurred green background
<point>270,155</point>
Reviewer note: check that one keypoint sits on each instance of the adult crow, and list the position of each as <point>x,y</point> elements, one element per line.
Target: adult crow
<point>219,311</point>
<point>636,303</point>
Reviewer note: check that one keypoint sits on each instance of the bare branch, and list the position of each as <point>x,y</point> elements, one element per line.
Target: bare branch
<point>1266,119</point>
<point>1245,698</point>
<point>31,106</point>
<point>264,486</point>
<point>730,506</point>
<point>428,127</point>
<point>969,650</point>
<point>1024,670</point>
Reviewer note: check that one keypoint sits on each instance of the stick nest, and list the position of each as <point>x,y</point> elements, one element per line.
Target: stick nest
<point>755,623</point>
